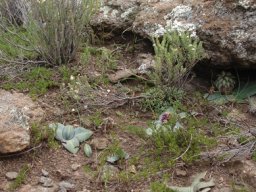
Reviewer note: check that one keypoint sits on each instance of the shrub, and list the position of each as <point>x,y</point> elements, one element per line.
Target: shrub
<point>55,28</point>
<point>175,54</point>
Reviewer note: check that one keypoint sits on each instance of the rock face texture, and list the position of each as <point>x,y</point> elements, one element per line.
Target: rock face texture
<point>16,112</point>
<point>227,27</point>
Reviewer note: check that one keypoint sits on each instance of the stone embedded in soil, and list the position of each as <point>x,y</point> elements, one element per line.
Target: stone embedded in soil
<point>11,175</point>
<point>75,166</point>
<point>132,169</point>
<point>46,182</point>
<point>226,189</point>
<point>30,188</point>
<point>181,173</point>
<point>16,112</point>
<point>100,143</point>
<point>44,173</point>
<point>65,186</point>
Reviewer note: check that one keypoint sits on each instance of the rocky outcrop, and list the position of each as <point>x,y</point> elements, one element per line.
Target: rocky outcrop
<point>227,27</point>
<point>16,112</point>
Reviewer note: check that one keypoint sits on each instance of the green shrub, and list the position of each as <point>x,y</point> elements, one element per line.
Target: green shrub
<point>55,28</point>
<point>180,138</point>
<point>175,54</point>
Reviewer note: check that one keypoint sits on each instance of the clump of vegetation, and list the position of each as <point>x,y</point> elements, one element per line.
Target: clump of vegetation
<point>178,135</point>
<point>36,82</point>
<point>175,54</point>
<point>54,29</point>
<point>71,137</point>
<point>22,175</point>
<point>225,83</point>
<point>42,133</point>
<point>157,99</point>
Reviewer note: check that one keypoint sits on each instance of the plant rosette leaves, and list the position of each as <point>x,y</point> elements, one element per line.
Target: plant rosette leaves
<point>162,123</point>
<point>198,185</point>
<point>69,136</point>
<point>87,150</point>
<point>116,157</point>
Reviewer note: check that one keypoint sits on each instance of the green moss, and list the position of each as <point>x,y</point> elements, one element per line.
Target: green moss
<point>37,82</point>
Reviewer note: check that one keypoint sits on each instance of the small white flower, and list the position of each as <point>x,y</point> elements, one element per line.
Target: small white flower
<point>72,77</point>
<point>73,110</point>
<point>76,91</point>
<point>108,91</point>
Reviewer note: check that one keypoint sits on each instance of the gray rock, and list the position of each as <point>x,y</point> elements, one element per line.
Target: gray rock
<point>226,189</point>
<point>75,166</point>
<point>11,175</point>
<point>16,112</point>
<point>30,188</point>
<point>46,182</point>
<point>227,28</point>
<point>44,173</point>
<point>65,185</point>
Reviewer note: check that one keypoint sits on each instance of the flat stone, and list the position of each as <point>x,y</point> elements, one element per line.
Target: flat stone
<point>66,185</point>
<point>226,189</point>
<point>30,188</point>
<point>181,173</point>
<point>75,166</point>
<point>17,111</point>
<point>44,173</point>
<point>46,182</point>
<point>11,175</point>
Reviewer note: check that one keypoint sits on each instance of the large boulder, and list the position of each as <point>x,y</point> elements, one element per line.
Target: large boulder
<point>17,111</point>
<point>227,27</point>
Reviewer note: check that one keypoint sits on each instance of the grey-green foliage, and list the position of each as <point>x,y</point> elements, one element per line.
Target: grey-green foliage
<point>71,137</point>
<point>175,54</point>
<point>87,150</point>
<point>54,29</point>
<point>197,185</point>
<point>62,29</point>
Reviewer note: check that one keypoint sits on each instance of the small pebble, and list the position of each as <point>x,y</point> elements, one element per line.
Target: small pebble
<point>44,173</point>
<point>75,167</point>
<point>46,182</point>
<point>11,175</point>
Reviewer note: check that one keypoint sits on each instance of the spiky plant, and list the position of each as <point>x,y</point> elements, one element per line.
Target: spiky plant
<point>225,82</point>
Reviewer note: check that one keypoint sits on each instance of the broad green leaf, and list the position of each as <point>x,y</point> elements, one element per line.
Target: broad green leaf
<point>83,134</point>
<point>72,145</point>
<point>113,158</point>
<point>246,91</point>
<point>87,150</point>
<point>68,132</point>
<point>59,131</point>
